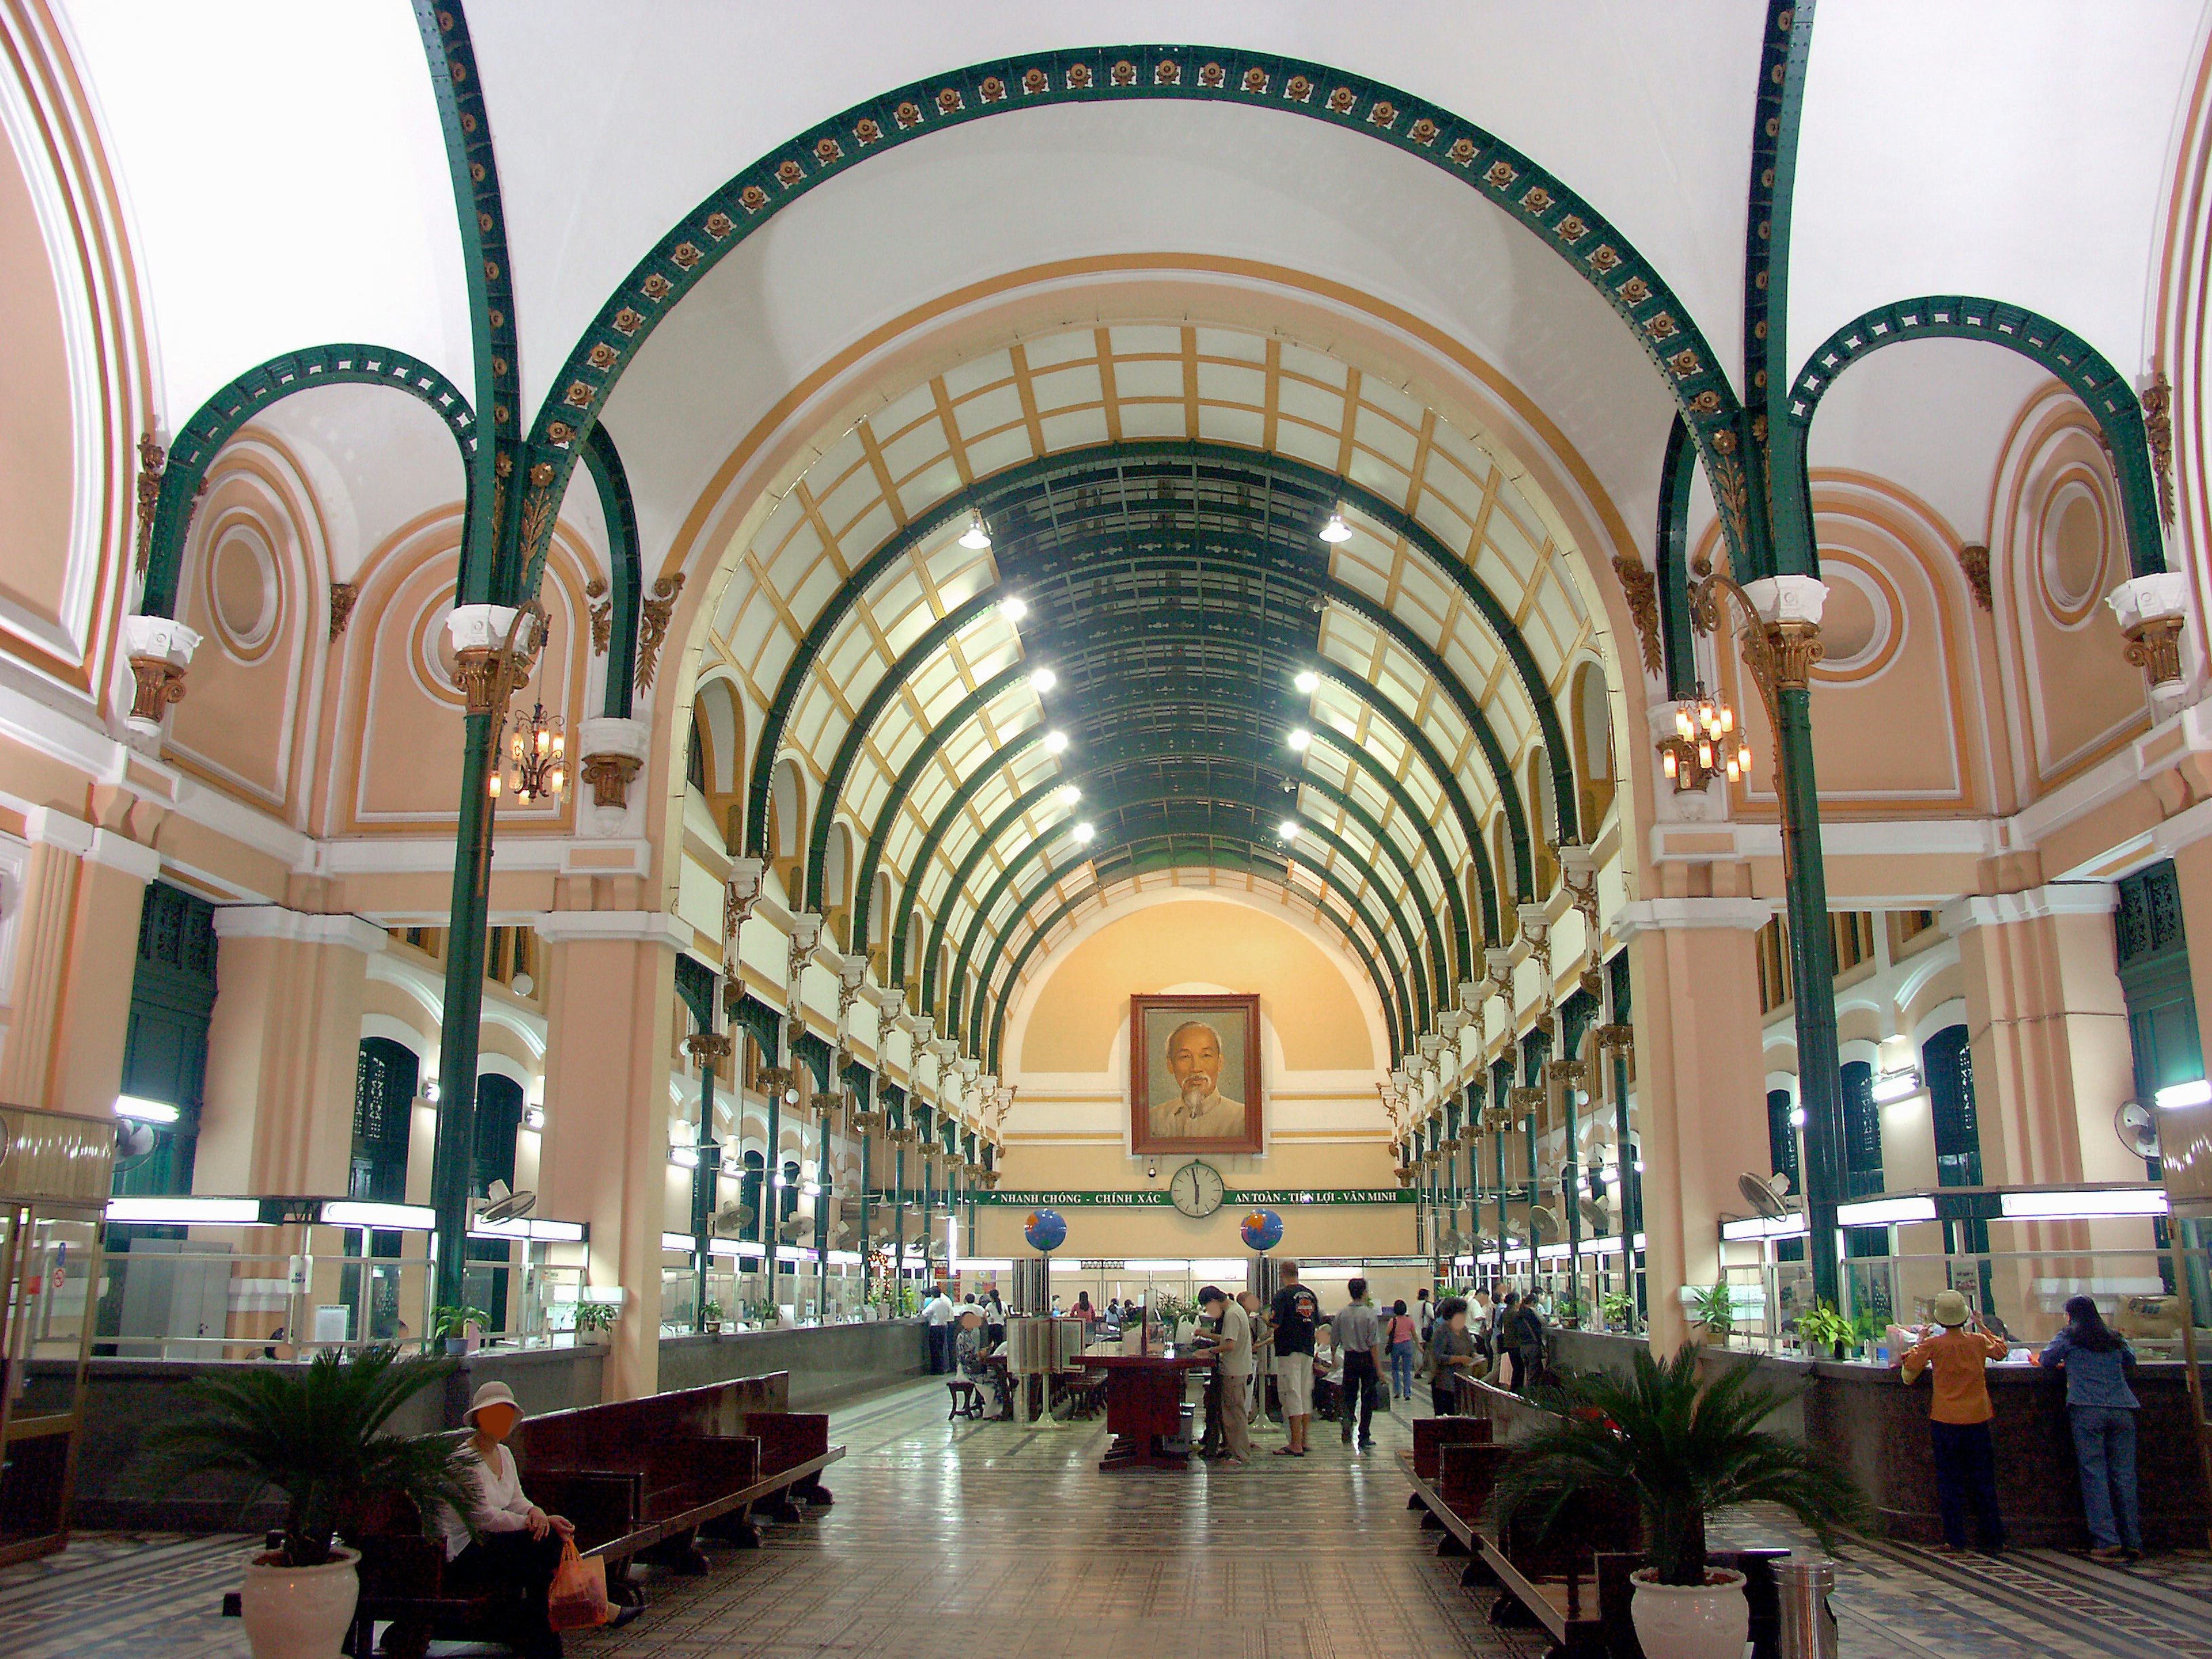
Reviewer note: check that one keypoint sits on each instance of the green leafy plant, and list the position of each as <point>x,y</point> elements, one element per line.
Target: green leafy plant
<point>454,1321</point>
<point>710,1312</point>
<point>1714,1310</point>
<point>1687,1452</point>
<point>1870,1326</point>
<point>1173,1309</point>
<point>1821,1326</point>
<point>595,1315</point>
<point>763,1313</point>
<point>1567,1311</point>
<point>1620,1310</point>
<point>317,1433</point>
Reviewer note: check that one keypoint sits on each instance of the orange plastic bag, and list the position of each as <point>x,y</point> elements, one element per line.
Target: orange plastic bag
<point>579,1595</point>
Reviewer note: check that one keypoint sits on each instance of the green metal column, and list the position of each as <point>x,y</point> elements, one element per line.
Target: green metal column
<point>462,1019</point>
<point>1571,1195</point>
<point>1812,960</point>
<point>867,1207</point>
<point>1497,1139</point>
<point>772,1165</point>
<point>705,1178</point>
<point>898,1225</point>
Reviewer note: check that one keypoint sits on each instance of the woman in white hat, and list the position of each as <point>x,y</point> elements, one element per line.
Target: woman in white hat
<point>515,1542</point>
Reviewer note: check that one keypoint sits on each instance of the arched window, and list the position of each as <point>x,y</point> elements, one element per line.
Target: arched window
<point>1594,763</point>
<point>879,928</point>
<point>1509,880</point>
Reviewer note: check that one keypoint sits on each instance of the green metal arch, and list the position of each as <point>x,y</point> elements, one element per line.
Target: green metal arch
<point>1408,730</point>
<point>218,420</point>
<point>1593,248</point>
<point>1042,930</point>
<point>1677,472</point>
<point>488,272</point>
<point>1024,803</point>
<point>2086,371</point>
<point>910,774</point>
<point>864,720</point>
<point>980,495</point>
<point>1401,1028</point>
<point>624,566</point>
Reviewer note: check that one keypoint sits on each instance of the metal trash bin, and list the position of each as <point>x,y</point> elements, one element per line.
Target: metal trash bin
<point>1808,1623</point>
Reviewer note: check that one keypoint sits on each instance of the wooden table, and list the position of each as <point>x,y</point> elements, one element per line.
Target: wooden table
<point>1144,1407</point>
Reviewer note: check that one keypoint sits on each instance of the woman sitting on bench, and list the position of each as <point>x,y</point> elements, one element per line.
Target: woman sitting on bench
<point>970,1349</point>
<point>517,1544</point>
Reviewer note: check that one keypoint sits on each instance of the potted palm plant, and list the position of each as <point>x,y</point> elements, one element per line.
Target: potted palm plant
<point>316,1432</point>
<point>1686,1451</point>
<point>710,1317</point>
<point>595,1321</point>
<point>1716,1310</point>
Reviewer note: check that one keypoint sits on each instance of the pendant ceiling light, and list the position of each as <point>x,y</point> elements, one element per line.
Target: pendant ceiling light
<point>1336,530</point>
<point>975,537</point>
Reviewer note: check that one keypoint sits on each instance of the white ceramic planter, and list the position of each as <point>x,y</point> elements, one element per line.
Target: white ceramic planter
<point>299,1612</point>
<point>1710,1620</point>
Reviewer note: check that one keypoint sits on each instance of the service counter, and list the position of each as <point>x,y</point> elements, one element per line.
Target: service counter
<point>1863,1416</point>
<point>119,1484</point>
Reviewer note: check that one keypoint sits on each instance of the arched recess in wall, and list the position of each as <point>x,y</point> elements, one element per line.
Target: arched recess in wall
<point>720,720</point>
<point>787,825</point>
<point>1594,757</point>
<point>1543,833</point>
<point>1509,894</point>
<point>256,585</point>
<point>878,943</point>
<point>2057,545</point>
<point>837,886</point>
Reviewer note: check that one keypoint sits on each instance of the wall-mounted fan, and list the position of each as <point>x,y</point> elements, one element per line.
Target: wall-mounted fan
<point>1545,1224</point>
<point>731,1218</point>
<point>134,1141</point>
<point>2137,1127</point>
<point>1596,1216</point>
<point>502,1204</point>
<point>1768,1195</point>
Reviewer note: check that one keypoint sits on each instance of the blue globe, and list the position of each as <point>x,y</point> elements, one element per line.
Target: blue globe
<point>1046,1231</point>
<point>1262,1230</point>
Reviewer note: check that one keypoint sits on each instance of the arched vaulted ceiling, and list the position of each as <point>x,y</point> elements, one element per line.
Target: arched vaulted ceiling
<point>1153,494</point>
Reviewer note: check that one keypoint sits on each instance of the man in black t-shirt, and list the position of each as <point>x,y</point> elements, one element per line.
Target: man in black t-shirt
<point>1293,1314</point>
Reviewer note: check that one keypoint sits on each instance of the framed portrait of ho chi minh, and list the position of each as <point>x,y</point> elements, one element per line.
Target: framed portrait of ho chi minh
<point>1195,1074</point>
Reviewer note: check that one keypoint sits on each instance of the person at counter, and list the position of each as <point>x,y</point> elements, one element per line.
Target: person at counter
<point>1451,1354</point>
<point>2102,1409</point>
<point>1232,1359</point>
<point>1959,1420</point>
<point>937,1315</point>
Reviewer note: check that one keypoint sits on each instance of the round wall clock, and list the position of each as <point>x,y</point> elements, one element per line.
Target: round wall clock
<point>1197,1190</point>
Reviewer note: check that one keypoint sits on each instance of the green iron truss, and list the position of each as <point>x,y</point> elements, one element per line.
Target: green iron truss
<point>624,568</point>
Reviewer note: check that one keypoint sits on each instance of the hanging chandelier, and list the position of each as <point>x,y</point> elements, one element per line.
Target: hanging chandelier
<point>1704,744</point>
<point>534,760</point>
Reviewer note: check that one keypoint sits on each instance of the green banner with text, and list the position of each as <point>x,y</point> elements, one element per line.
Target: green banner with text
<point>1248,1198</point>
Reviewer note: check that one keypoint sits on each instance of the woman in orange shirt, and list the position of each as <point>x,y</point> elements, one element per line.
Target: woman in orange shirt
<point>1959,1420</point>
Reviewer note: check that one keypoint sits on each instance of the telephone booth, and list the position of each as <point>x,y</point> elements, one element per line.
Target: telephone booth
<point>55,1173</point>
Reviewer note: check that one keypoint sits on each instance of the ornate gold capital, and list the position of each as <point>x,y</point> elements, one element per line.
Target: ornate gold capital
<point>709,1049</point>
<point>609,776</point>
<point>2153,645</point>
<point>160,682</point>
<point>476,672</point>
<point>1792,648</point>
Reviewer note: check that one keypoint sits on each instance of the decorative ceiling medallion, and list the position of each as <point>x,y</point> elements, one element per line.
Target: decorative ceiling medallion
<point>908,115</point>
<point>828,150</point>
<point>686,255</point>
<point>1256,81</point>
<point>789,174</point>
<point>1078,77</point>
<point>719,226</point>
<point>1424,131</point>
<point>752,198</point>
<point>1035,81</point>
<point>578,395</point>
<point>1660,327</point>
<point>1383,116</point>
<point>1538,200</point>
<point>1635,291</point>
<point>655,286</point>
<point>1501,176</point>
<point>1212,75</point>
<point>1169,73</point>
<point>950,102</point>
<point>1299,90</point>
<point>1124,74</point>
<point>1604,258</point>
<point>602,355</point>
<point>867,131</point>
<point>629,320</point>
<point>1570,230</point>
<point>1461,154</point>
<point>994,90</point>
<point>1340,101</point>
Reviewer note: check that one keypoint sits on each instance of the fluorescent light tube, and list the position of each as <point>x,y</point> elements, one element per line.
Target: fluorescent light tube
<point>185,1212</point>
<point>1886,1211</point>
<point>2082,1206</point>
<point>145,1111</point>
<point>355,1213</point>
<point>2198,1093</point>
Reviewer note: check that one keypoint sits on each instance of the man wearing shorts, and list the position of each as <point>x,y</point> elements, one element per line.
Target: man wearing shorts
<point>1292,1314</point>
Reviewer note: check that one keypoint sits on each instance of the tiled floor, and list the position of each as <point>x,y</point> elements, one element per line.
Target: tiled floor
<point>968,1539</point>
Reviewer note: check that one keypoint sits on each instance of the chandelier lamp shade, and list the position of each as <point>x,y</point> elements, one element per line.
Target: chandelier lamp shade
<point>533,762</point>
<point>1704,743</point>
